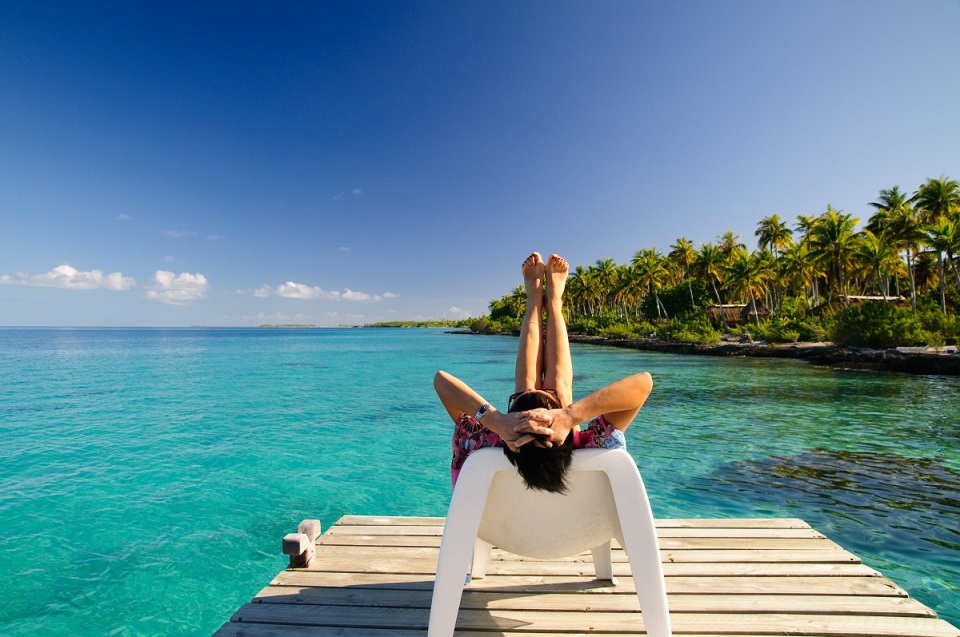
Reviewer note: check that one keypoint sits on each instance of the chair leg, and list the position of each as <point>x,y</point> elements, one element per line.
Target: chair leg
<point>640,543</point>
<point>456,549</point>
<point>481,557</point>
<point>603,562</point>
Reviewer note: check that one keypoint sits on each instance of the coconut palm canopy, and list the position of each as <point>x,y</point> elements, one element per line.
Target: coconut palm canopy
<point>908,247</point>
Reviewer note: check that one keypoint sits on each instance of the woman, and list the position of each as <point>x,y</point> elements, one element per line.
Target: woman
<point>540,429</point>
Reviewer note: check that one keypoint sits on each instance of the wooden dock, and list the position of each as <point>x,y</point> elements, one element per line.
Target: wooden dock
<point>373,576</point>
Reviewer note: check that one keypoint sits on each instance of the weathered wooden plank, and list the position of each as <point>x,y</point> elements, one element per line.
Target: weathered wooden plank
<point>685,532</point>
<point>699,542</point>
<point>739,523</point>
<point>345,539</point>
<point>282,630</point>
<point>708,543</point>
<point>836,567</point>
<point>745,523</point>
<point>287,630</point>
<point>613,601</point>
<point>386,530</point>
<point>746,585</point>
<point>560,621</point>
<point>349,520</point>
<point>367,580</point>
<point>745,554</point>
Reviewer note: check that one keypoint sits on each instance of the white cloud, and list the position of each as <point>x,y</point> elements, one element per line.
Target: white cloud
<point>343,249</point>
<point>69,278</point>
<point>352,295</point>
<point>214,237</point>
<point>179,234</point>
<point>123,217</point>
<point>456,312</point>
<point>357,191</point>
<point>390,295</point>
<point>292,290</point>
<point>178,289</point>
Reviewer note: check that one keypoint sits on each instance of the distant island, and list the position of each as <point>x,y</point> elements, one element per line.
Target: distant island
<point>288,326</point>
<point>465,323</point>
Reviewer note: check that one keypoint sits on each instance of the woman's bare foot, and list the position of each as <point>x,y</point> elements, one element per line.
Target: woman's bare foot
<point>532,269</point>
<point>556,270</point>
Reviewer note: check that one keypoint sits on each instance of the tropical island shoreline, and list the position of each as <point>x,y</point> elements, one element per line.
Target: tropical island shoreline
<point>909,360</point>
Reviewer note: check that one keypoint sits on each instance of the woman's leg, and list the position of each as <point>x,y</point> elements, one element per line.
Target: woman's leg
<point>558,365</point>
<point>529,350</point>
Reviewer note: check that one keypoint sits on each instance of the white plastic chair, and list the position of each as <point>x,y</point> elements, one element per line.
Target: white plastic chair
<point>605,499</point>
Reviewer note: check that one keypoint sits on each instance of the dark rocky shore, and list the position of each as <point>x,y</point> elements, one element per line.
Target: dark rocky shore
<point>905,360</point>
<point>825,354</point>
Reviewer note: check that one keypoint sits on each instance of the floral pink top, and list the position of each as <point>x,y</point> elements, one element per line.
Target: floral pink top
<point>469,435</point>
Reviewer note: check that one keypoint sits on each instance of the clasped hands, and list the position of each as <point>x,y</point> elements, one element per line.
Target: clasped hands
<point>543,427</point>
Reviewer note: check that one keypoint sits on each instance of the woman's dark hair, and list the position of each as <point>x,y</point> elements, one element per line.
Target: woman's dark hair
<point>542,468</point>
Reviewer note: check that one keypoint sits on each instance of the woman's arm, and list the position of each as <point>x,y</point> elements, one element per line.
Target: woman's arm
<point>458,398</point>
<point>618,403</point>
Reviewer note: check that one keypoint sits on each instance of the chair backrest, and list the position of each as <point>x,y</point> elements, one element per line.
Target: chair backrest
<point>545,525</point>
<point>606,499</point>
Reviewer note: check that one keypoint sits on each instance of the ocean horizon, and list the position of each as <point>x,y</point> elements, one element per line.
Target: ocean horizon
<point>149,474</point>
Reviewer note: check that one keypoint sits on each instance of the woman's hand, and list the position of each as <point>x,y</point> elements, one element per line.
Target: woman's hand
<point>554,424</point>
<point>518,428</point>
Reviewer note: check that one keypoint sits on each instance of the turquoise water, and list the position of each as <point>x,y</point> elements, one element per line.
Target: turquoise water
<point>147,476</point>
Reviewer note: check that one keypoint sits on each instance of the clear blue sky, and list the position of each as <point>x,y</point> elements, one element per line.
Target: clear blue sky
<point>239,163</point>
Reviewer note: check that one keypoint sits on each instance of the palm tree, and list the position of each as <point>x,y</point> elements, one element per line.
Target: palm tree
<point>880,255</point>
<point>575,292</point>
<point>747,275</point>
<point>937,199</point>
<point>896,218</point>
<point>833,239</point>
<point>805,224</point>
<point>584,285</point>
<point>944,238</point>
<point>798,264</point>
<point>773,234</point>
<point>708,264</point>
<point>682,254</point>
<point>624,292</point>
<point>604,272</point>
<point>652,271</point>
<point>728,243</point>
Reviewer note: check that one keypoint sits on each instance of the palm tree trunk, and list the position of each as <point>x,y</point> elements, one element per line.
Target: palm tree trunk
<point>656,298</point>
<point>953,266</point>
<point>723,315</point>
<point>913,282</point>
<point>943,287</point>
<point>693,304</point>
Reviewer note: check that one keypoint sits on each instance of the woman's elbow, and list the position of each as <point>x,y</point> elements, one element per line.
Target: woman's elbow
<point>440,380</point>
<point>644,384</point>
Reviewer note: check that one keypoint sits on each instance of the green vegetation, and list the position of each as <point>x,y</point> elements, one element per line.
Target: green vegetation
<point>465,323</point>
<point>895,282</point>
